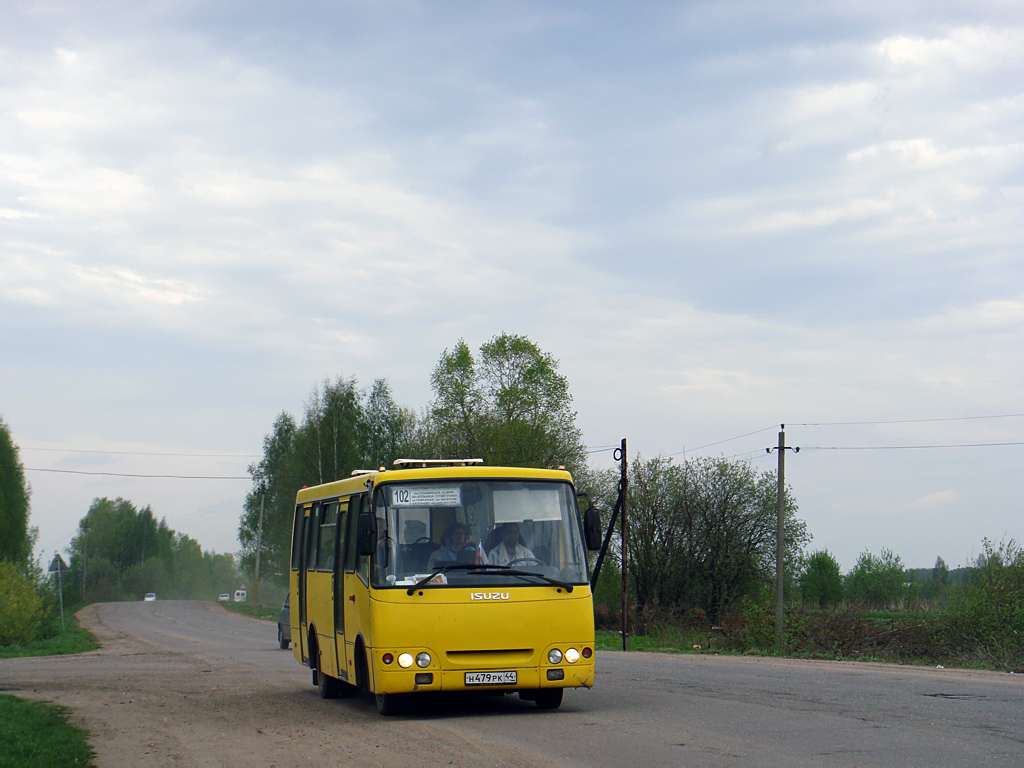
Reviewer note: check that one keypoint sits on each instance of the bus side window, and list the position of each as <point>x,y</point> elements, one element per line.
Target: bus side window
<point>297,538</point>
<point>311,540</point>
<point>328,526</point>
<point>355,506</point>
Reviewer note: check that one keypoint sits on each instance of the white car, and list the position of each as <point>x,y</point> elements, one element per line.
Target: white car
<point>150,597</point>
<point>240,596</point>
<point>224,598</point>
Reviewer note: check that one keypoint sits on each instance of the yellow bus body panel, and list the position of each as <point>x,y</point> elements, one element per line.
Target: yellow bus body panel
<point>512,632</point>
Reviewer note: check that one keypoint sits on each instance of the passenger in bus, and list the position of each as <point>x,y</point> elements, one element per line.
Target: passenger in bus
<point>455,547</point>
<point>509,549</point>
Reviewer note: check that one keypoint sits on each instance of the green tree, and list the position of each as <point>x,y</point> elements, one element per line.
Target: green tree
<point>987,614</point>
<point>343,428</point>
<point>384,429</point>
<point>511,407</point>
<point>21,606</point>
<point>14,502</point>
<point>121,553</point>
<point>702,532</point>
<point>877,581</point>
<point>821,581</point>
<point>273,477</point>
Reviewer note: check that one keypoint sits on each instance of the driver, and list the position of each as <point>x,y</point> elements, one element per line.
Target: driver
<point>454,540</point>
<point>509,549</point>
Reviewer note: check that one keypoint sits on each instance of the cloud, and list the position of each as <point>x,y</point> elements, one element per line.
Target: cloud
<point>936,499</point>
<point>968,48</point>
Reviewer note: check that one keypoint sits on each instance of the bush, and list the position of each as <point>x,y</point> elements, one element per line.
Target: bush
<point>21,607</point>
<point>877,581</point>
<point>986,616</point>
<point>821,582</point>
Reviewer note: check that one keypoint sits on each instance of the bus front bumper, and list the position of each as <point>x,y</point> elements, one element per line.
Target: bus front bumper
<point>396,680</point>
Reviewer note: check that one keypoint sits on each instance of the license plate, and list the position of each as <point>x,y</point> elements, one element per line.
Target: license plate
<point>490,678</point>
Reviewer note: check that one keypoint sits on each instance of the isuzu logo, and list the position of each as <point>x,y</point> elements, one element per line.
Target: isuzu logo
<point>488,595</point>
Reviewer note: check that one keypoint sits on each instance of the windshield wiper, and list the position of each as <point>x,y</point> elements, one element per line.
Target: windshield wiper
<point>484,567</point>
<point>548,579</point>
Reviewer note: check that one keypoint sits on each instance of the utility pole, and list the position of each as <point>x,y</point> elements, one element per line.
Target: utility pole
<point>85,555</point>
<point>58,566</point>
<point>259,544</point>
<point>780,543</point>
<point>624,486</point>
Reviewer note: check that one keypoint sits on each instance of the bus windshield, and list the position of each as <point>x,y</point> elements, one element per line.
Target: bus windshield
<point>511,529</point>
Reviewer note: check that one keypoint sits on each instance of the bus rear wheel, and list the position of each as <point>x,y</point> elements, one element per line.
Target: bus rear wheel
<point>549,698</point>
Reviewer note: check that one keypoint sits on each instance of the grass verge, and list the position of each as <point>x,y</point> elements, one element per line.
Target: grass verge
<point>74,640</point>
<point>33,733</point>
<point>265,612</point>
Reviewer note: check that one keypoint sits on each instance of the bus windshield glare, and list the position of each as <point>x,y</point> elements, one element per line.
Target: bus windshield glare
<point>477,533</point>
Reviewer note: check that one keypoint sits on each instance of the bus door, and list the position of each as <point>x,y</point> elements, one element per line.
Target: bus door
<point>306,563</point>
<point>355,594</point>
<point>339,590</point>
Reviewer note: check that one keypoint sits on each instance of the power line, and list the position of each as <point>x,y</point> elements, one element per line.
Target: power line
<point>900,447</point>
<point>719,442</point>
<point>147,453</point>
<point>126,474</point>
<point>903,421</point>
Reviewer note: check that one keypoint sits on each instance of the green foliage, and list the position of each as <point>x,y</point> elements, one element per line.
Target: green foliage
<point>821,582</point>
<point>987,615</point>
<point>877,581</point>
<point>37,734</point>
<point>53,642</point>
<point>510,407</point>
<point>702,533</point>
<point>21,607</point>
<point>121,553</point>
<point>14,502</point>
<point>265,612</point>
<point>343,429</point>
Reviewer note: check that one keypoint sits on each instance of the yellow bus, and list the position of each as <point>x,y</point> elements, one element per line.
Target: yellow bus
<point>444,575</point>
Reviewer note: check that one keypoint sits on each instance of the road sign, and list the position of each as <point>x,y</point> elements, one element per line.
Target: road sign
<point>57,565</point>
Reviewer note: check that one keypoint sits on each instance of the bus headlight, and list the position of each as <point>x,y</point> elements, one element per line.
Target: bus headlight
<point>405,660</point>
<point>572,655</point>
<point>554,656</point>
<point>423,659</point>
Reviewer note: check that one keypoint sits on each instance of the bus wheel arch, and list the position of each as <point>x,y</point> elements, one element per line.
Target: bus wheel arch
<point>328,686</point>
<point>362,667</point>
<point>313,649</point>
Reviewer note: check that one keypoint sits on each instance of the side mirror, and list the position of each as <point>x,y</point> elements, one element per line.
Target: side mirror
<point>592,528</point>
<point>366,534</point>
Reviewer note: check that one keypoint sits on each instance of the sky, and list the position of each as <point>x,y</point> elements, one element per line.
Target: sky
<point>718,216</point>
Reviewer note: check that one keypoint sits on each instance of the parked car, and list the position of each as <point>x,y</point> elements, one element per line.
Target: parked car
<point>224,598</point>
<point>240,596</point>
<point>284,623</point>
<point>150,597</point>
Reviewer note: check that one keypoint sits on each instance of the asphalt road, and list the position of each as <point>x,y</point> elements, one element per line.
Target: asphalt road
<point>646,709</point>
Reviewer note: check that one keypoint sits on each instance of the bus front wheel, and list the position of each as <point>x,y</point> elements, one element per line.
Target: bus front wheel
<point>389,703</point>
<point>549,698</point>
<point>329,686</point>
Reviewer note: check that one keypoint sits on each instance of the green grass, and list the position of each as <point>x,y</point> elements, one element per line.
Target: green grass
<point>264,612</point>
<point>679,641</point>
<point>33,733</point>
<point>74,640</point>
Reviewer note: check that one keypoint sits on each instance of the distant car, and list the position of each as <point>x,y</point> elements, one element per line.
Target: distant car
<point>225,598</point>
<point>284,623</point>
<point>240,596</point>
<point>150,597</point>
